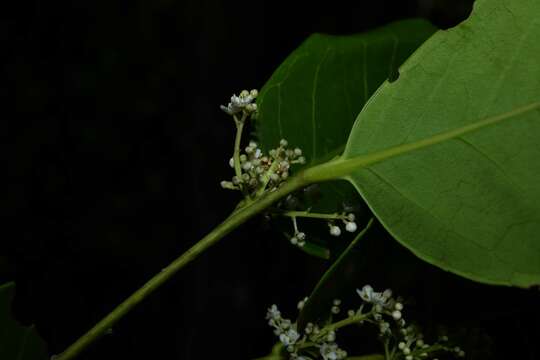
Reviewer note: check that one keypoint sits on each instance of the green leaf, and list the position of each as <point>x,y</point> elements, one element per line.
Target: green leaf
<point>314,96</point>
<point>320,300</point>
<point>448,156</point>
<point>16,341</point>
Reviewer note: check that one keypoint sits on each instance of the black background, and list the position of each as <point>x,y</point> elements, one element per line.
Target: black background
<point>115,147</point>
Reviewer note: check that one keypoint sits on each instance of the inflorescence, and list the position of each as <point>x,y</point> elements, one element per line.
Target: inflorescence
<point>299,237</point>
<point>257,172</point>
<point>261,172</point>
<point>401,341</point>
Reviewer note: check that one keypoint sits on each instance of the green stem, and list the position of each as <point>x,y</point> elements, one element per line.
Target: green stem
<point>238,217</point>
<point>266,177</point>
<point>236,153</point>
<point>387,355</point>
<point>347,321</point>
<point>306,214</point>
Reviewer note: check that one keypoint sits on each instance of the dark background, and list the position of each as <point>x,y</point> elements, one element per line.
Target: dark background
<point>114,148</point>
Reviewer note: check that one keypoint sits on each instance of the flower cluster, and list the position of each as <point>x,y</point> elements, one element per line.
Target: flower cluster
<point>259,171</point>
<point>379,308</point>
<point>284,329</point>
<point>301,346</point>
<point>387,313</point>
<point>347,219</point>
<point>243,103</point>
<point>299,237</point>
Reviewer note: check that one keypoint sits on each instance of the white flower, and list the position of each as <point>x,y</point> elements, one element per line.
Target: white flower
<point>242,102</point>
<point>351,226</point>
<point>368,295</point>
<point>329,351</point>
<point>273,312</point>
<point>335,230</point>
<point>384,328</point>
<point>289,337</point>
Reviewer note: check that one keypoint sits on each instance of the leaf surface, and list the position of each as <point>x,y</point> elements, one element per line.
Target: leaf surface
<point>314,96</point>
<point>452,148</point>
<point>17,342</point>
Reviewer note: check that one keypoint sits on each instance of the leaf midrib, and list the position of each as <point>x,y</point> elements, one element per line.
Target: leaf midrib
<point>343,167</point>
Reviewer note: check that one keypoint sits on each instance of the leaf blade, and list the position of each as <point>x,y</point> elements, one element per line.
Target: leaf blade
<point>431,193</point>
<point>17,342</point>
<point>314,96</point>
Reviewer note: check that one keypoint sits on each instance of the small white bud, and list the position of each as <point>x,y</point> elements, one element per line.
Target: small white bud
<point>297,151</point>
<point>294,240</point>
<point>401,345</point>
<point>335,310</point>
<point>351,313</point>
<point>336,302</point>
<point>274,177</point>
<point>243,158</point>
<point>301,160</point>
<point>231,162</point>
<point>335,230</point>
<point>254,93</point>
<point>408,357</point>
<point>461,353</point>
<point>283,142</point>
<point>420,342</point>
<point>398,306</point>
<point>284,175</point>
<point>301,236</point>
<point>351,226</point>
<point>406,350</point>
<point>244,93</point>
<point>331,337</point>
<point>396,314</point>
<point>444,338</point>
<point>258,153</point>
<point>246,166</point>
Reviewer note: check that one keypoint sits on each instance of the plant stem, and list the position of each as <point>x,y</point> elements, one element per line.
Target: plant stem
<point>306,214</point>
<point>236,153</point>
<point>238,217</point>
<point>387,355</point>
<point>347,321</point>
<point>266,177</point>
